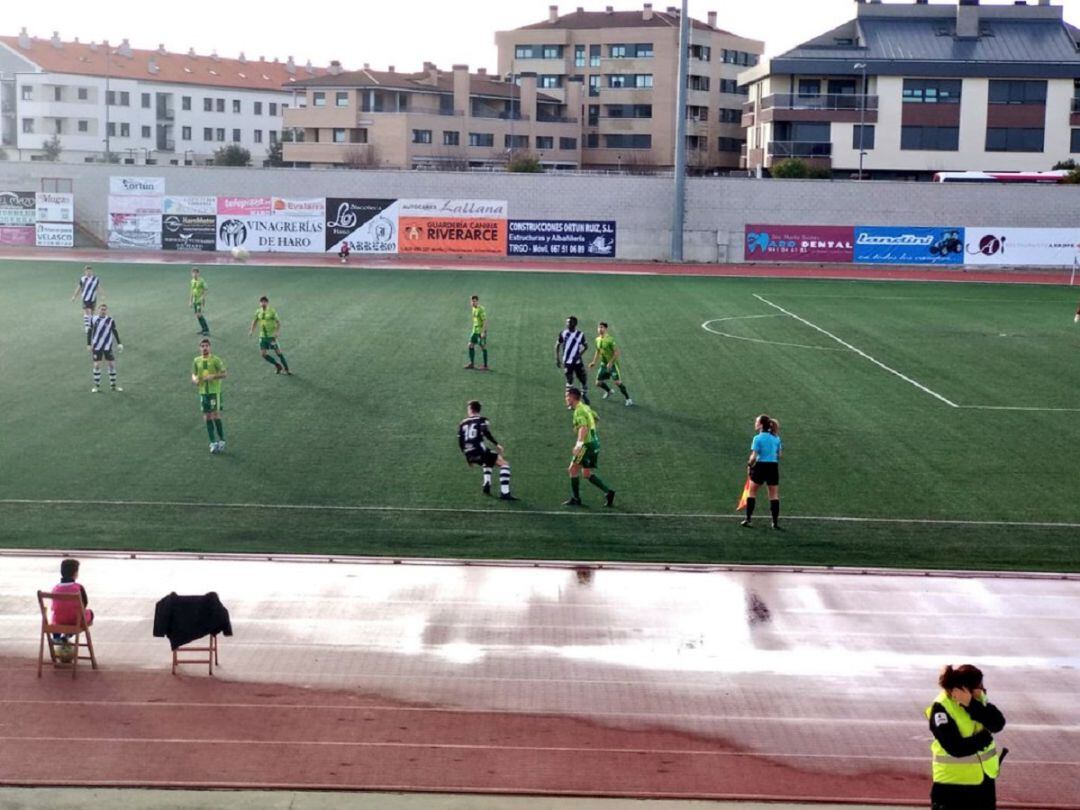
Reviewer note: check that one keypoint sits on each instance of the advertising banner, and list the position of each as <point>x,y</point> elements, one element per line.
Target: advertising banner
<point>820,244</point>
<point>1019,247</point>
<point>54,207</point>
<point>561,237</point>
<point>455,235</point>
<point>314,207</point>
<point>271,234</point>
<point>135,205</point>
<point>17,235</point>
<point>189,232</point>
<point>189,205</point>
<point>55,234</point>
<point>369,226</point>
<point>445,209</point>
<point>137,186</point>
<point>18,208</point>
<point>244,206</point>
<point>915,245</point>
<point>135,231</point>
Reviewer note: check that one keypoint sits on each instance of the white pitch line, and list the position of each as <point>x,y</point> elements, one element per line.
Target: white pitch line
<point>1024,408</point>
<point>708,328</point>
<point>860,352</point>
<point>532,512</point>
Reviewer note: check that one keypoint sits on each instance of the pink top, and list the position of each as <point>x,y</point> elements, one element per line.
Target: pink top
<point>67,612</point>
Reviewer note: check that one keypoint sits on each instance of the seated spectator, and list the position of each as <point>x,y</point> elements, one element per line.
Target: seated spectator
<point>64,612</point>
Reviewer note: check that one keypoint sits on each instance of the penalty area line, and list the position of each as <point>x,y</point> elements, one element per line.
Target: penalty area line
<point>860,352</point>
<point>448,510</point>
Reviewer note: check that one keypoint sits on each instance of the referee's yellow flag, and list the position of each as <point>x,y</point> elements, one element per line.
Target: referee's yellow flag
<point>744,496</point>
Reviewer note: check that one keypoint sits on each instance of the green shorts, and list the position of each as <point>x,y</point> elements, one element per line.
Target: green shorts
<point>197,306</point>
<point>608,373</point>
<point>590,457</point>
<point>477,339</point>
<point>211,403</point>
<point>268,344</point>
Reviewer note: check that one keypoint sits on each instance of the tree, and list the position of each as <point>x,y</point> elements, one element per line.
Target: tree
<point>52,149</point>
<point>232,155</point>
<point>524,163</point>
<point>1067,165</point>
<point>790,169</point>
<point>274,155</point>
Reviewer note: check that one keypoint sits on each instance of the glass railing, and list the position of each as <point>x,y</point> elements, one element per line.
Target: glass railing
<point>800,149</point>
<point>827,101</point>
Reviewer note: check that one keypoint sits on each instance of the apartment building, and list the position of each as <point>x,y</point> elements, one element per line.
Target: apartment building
<point>141,106</point>
<point>909,89</point>
<point>627,62</point>
<point>430,119</point>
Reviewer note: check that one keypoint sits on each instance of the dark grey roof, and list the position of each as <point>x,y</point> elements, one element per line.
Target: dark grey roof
<point>929,46</point>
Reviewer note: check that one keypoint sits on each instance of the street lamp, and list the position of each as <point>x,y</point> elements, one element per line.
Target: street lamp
<point>862,117</point>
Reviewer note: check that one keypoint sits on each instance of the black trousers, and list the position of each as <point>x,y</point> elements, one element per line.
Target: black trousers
<point>964,797</point>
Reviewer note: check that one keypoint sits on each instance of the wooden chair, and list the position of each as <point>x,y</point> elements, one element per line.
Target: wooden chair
<point>79,632</point>
<point>207,655</point>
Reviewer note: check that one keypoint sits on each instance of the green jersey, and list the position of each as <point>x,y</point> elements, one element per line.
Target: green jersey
<point>198,290</point>
<point>586,416</point>
<point>606,347</point>
<point>208,365</point>
<point>268,321</point>
<point>479,318</point>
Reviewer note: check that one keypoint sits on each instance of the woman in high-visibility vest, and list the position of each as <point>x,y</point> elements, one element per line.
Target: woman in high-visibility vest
<point>965,756</point>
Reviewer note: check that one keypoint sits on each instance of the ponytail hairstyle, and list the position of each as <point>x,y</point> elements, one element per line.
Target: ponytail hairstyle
<point>768,425</point>
<point>965,676</point>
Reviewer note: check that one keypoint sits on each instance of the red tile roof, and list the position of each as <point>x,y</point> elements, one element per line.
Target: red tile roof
<point>592,20</point>
<point>479,84</point>
<point>175,68</point>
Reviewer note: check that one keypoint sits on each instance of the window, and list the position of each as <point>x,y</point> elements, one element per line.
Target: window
<point>594,56</point>
<point>421,136</point>
<point>638,80</point>
<point>694,82</point>
<point>1014,139</point>
<point>185,133</point>
<point>862,137</point>
<point>84,126</point>
<point>208,133</point>
<point>525,51</point>
<point>616,51</point>
<point>273,107</point>
<point>110,130</point>
<point>809,88</point>
<point>274,136</point>
<point>125,130</point>
<point>594,115</point>
<point>545,142</point>
<point>550,81</point>
<point>730,144</point>
<point>1074,141</point>
<point>802,131</point>
<point>110,98</point>
<point>726,115</point>
<point>236,105</point>
<point>570,144</point>
<point>643,50</point>
<point>594,85</point>
<point>146,132</point>
<point>481,139</point>
<point>579,56</point>
<point>731,86</point>
<point>83,94</point>
<point>146,101</point>
<point>628,141</point>
<point>58,93</point>
<point>318,99</point>
<point>628,110</point>
<point>341,98</point>
<point>702,53</point>
<point>125,98</point>
<point>258,136</point>
<point>695,143</point>
<point>219,105</point>
<point>339,135</point>
<point>640,50</point>
<point>551,52</point>
<point>185,103</point>
<point>932,91</point>
<point>945,139</point>
<point>645,80</point>
<point>516,141</point>
<point>256,107</point>
<point>1017,92</point>
<point>27,93</point>
<point>451,137</point>
<point>208,105</point>
<point>219,134</point>
<point>28,125</point>
<point>236,136</point>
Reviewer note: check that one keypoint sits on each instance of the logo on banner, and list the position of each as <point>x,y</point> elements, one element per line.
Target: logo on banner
<point>15,199</point>
<point>345,217</point>
<point>601,246</point>
<point>232,233</point>
<point>989,245</point>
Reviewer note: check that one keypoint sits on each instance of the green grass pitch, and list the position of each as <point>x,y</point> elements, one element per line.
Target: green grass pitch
<point>370,418</point>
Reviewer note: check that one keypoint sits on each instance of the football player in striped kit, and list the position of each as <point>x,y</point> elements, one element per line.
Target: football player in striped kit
<point>88,287</point>
<point>100,338</point>
<point>569,349</point>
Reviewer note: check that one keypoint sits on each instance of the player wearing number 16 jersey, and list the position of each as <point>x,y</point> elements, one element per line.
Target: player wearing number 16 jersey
<point>473,431</point>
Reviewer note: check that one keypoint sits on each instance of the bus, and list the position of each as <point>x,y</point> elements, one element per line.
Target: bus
<point>1056,176</point>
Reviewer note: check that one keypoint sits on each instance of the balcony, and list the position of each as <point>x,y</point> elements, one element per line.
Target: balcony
<point>333,153</point>
<point>548,118</point>
<point>834,107</point>
<point>501,115</point>
<point>166,145</point>
<point>166,114</point>
<point>800,149</point>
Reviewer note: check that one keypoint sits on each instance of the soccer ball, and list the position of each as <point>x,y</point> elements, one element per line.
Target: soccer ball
<point>240,253</point>
<point>65,653</point>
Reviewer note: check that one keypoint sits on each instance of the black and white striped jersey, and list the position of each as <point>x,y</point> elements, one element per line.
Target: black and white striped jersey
<point>572,345</point>
<point>471,435</point>
<point>102,333</point>
<point>88,287</point>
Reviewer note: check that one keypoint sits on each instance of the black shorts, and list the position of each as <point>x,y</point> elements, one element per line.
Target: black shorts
<point>577,369</point>
<point>103,354</point>
<point>766,472</point>
<point>91,304</point>
<point>485,457</point>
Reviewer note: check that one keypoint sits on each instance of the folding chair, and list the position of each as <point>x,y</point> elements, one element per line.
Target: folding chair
<point>75,631</point>
<point>210,650</point>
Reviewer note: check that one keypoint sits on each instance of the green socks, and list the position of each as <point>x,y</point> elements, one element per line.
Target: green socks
<point>604,387</point>
<point>472,355</point>
<point>485,356</point>
<point>203,324</point>
<point>622,390</point>
<point>596,482</point>
<point>220,429</point>
<point>271,360</point>
<point>575,487</point>
<point>284,364</point>
<point>210,430</point>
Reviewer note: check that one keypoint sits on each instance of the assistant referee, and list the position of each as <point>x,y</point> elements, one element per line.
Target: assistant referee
<point>763,467</point>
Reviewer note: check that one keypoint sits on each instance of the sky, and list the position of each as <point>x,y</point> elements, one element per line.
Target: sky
<point>403,33</point>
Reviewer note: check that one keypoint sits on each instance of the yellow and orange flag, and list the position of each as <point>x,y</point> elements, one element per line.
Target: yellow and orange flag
<point>744,496</point>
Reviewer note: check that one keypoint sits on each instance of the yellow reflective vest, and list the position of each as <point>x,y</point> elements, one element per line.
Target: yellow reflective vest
<point>968,770</point>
